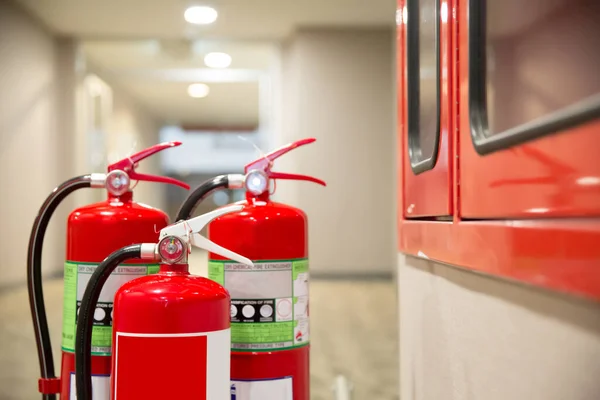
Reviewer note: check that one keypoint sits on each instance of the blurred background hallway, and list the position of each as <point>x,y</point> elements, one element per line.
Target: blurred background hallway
<point>83,84</point>
<point>454,251</point>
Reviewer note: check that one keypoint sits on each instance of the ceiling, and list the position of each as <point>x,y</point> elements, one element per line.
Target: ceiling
<point>228,104</point>
<point>154,54</point>
<point>177,53</point>
<point>238,19</point>
<point>157,73</point>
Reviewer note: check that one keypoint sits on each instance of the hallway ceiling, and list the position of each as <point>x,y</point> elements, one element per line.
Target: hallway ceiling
<point>156,73</point>
<point>153,54</point>
<point>238,19</point>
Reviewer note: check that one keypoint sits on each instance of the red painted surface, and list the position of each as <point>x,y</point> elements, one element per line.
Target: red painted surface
<point>511,191</point>
<point>162,356</point>
<point>271,231</point>
<point>170,302</point>
<point>428,193</point>
<point>561,255</point>
<point>94,232</point>
<point>554,176</point>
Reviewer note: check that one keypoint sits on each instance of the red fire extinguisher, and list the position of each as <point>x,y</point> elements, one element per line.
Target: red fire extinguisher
<point>171,330</point>
<point>92,232</point>
<point>269,306</point>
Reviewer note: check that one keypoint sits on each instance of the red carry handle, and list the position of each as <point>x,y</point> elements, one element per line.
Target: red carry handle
<point>128,165</point>
<point>266,162</point>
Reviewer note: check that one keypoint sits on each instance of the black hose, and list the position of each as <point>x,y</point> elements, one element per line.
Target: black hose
<point>34,273</point>
<point>85,323</point>
<point>199,194</point>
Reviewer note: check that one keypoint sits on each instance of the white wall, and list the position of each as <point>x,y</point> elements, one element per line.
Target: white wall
<point>338,86</point>
<point>125,127</point>
<point>29,160</point>
<point>43,140</point>
<point>465,336</point>
<point>132,129</point>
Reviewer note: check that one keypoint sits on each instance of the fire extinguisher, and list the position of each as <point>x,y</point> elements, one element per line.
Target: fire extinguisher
<point>92,232</point>
<point>269,300</point>
<point>171,330</point>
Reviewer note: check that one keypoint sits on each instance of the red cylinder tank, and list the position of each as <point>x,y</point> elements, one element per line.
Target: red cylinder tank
<point>171,327</point>
<point>269,306</point>
<point>269,300</point>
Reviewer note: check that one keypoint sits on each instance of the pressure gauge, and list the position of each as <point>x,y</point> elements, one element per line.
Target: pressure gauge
<point>117,182</point>
<point>171,249</point>
<point>257,182</point>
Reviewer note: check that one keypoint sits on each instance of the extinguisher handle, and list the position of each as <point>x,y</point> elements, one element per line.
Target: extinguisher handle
<point>265,163</point>
<point>189,231</point>
<point>296,177</point>
<point>203,243</point>
<point>130,163</point>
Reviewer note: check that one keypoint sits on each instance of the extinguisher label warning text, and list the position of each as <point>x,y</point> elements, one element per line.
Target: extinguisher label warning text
<point>269,302</point>
<point>77,276</point>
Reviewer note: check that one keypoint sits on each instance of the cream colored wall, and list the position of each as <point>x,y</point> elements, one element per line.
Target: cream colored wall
<point>131,129</point>
<point>43,140</point>
<point>29,160</point>
<point>338,86</point>
<point>465,336</point>
<point>126,128</point>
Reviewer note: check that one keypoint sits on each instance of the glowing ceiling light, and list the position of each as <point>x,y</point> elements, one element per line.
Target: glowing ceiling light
<point>198,90</point>
<point>217,60</point>
<point>200,15</point>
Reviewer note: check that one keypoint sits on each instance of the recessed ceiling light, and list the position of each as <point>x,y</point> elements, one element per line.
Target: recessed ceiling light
<point>217,60</point>
<point>198,90</point>
<point>200,15</point>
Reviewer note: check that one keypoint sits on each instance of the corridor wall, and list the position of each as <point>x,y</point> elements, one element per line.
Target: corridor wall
<point>337,85</point>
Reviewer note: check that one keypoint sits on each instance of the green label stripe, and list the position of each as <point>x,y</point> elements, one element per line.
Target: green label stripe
<point>273,332</point>
<point>260,261</point>
<point>77,275</point>
<point>269,307</point>
<point>255,350</point>
<point>216,272</point>
<point>299,266</point>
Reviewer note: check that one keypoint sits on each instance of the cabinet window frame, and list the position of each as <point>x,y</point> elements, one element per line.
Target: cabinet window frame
<point>417,163</point>
<point>555,122</point>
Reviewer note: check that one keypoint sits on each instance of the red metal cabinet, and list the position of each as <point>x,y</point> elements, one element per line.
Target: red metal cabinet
<point>529,105</point>
<point>523,183</point>
<point>424,128</point>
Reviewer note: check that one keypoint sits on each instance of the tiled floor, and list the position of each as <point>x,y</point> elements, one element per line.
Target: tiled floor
<point>353,328</point>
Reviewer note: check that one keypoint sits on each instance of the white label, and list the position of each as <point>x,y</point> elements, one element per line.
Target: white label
<point>117,278</point>
<point>271,389</point>
<point>100,387</point>
<point>269,302</point>
<point>259,284</point>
